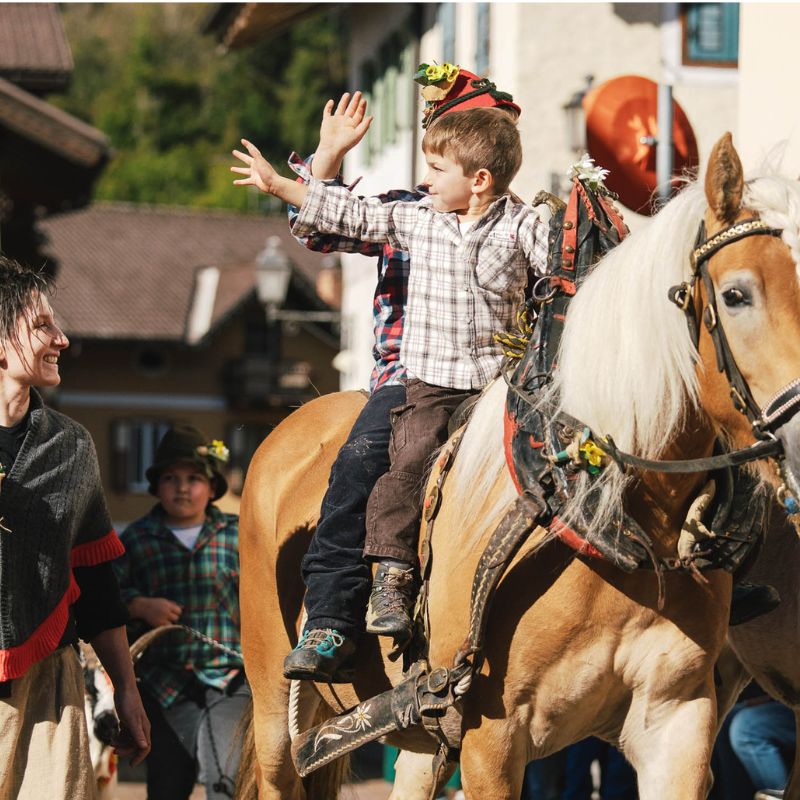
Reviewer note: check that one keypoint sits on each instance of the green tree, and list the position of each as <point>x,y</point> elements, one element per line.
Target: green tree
<point>173,106</point>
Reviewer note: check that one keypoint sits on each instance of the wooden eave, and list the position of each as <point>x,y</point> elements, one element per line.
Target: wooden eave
<point>243,24</point>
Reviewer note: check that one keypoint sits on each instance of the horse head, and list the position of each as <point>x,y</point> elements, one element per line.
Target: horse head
<point>749,303</point>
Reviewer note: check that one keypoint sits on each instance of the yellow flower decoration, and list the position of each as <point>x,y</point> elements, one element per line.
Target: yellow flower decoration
<point>219,451</point>
<point>592,453</point>
<point>437,72</point>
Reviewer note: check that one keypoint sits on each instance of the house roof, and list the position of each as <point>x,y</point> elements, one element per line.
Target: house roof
<point>50,127</point>
<point>240,24</point>
<point>151,272</point>
<point>34,52</point>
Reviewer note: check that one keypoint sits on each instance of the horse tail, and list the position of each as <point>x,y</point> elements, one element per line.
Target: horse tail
<point>246,779</point>
<point>323,784</point>
<point>326,782</point>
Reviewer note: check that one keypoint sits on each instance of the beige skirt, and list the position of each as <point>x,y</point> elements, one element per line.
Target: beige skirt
<point>44,742</point>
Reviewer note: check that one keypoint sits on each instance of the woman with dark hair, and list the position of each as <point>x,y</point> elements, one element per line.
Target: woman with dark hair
<point>56,580</point>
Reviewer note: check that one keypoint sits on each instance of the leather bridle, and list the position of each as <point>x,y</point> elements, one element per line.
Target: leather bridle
<point>778,411</point>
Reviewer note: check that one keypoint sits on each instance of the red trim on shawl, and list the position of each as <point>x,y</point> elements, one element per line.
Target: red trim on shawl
<point>89,554</point>
<point>43,641</point>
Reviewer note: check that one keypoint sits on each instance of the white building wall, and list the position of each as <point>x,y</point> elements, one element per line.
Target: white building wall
<point>769,58</point>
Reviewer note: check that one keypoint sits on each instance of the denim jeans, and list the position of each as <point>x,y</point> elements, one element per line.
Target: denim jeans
<point>337,577</point>
<point>763,737</point>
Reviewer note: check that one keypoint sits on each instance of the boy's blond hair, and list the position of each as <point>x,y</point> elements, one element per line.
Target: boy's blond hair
<point>478,138</point>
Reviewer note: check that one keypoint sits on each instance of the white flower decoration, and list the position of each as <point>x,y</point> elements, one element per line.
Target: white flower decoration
<point>585,170</point>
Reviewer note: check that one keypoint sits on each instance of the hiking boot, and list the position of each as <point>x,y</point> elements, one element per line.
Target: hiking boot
<point>391,602</point>
<point>321,655</point>
<point>751,600</point>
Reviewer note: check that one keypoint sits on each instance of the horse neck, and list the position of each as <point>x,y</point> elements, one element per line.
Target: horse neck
<point>659,501</point>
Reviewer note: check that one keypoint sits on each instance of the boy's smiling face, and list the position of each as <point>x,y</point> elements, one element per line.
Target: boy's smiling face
<point>449,187</point>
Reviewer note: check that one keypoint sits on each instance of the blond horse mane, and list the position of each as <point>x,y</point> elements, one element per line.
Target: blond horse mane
<point>627,365</point>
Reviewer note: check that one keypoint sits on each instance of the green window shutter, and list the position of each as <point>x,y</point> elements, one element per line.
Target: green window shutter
<point>712,33</point>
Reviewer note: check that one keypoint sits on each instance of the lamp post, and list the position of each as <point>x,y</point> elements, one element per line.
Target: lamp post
<point>273,272</point>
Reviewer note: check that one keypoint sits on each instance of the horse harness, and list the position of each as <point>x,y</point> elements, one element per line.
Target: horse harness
<point>580,233</point>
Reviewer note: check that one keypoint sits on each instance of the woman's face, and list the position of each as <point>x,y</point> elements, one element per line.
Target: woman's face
<point>33,359</point>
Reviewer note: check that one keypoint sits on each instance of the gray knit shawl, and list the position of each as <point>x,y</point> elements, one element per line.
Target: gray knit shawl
<point>50,501</point>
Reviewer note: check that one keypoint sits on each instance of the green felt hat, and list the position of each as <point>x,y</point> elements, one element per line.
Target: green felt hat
<point>183,444</point>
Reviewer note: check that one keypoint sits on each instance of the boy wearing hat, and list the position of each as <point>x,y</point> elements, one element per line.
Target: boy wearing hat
<point>394,505</point>
<point>181,565</point>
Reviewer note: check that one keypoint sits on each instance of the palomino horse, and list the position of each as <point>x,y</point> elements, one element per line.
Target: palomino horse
<point>574,647</point>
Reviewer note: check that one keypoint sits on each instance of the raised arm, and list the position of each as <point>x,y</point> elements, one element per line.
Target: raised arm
<point>260,173</point>
<point>340,131</point>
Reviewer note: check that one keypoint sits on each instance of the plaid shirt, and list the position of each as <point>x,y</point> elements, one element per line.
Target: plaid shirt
<point>389,303</point>
<point>204,580</point>
<point>465,289</point>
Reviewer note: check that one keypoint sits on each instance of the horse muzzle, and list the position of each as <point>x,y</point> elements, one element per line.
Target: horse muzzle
<point>780,419</point>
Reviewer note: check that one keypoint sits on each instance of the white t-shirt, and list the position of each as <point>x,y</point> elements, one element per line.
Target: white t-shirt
<point>187,536</point>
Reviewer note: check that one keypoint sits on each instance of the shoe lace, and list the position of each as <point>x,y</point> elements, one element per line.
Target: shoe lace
<point>393,592</point>
<point>317,636</point>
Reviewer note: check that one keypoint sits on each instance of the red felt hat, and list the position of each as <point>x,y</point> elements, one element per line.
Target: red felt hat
<point>449,88</point>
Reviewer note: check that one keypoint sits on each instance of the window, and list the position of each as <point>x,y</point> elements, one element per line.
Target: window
<point>711,34</point>
<point>447,19</point>
<point>243,441</point>
<point>133,448</point>
<point>482,39</point>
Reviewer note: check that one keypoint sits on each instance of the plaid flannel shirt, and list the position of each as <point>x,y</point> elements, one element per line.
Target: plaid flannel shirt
<point>204,580</point>
<point>461,289</point>
<point>388,306</point>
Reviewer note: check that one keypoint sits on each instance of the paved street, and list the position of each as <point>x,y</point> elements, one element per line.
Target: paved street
<point>368,790</point>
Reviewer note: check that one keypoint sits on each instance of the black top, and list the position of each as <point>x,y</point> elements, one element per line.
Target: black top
<point>92,613</point>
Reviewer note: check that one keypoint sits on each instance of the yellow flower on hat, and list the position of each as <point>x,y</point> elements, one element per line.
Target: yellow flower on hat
<point>218,450</point>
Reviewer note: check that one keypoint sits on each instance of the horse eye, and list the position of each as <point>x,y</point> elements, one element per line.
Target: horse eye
<point>734,297</point>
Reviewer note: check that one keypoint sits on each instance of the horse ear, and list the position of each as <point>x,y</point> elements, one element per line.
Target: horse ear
<point>724,180</point>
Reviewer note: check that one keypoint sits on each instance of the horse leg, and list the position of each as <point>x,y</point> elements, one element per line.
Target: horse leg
<point>277,777</point>
<point>493,759</point>
<point>671,751</point>
<point>414,779</point>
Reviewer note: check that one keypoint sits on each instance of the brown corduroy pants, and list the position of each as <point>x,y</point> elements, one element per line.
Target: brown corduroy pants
<point>394,509</point>
<point>44,741</point>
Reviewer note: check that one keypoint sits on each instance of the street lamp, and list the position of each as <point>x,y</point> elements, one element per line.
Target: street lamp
<point>273,272</point>
<point>576,118</point>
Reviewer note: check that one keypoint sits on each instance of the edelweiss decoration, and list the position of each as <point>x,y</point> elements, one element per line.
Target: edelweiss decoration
<point>585,170</point>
